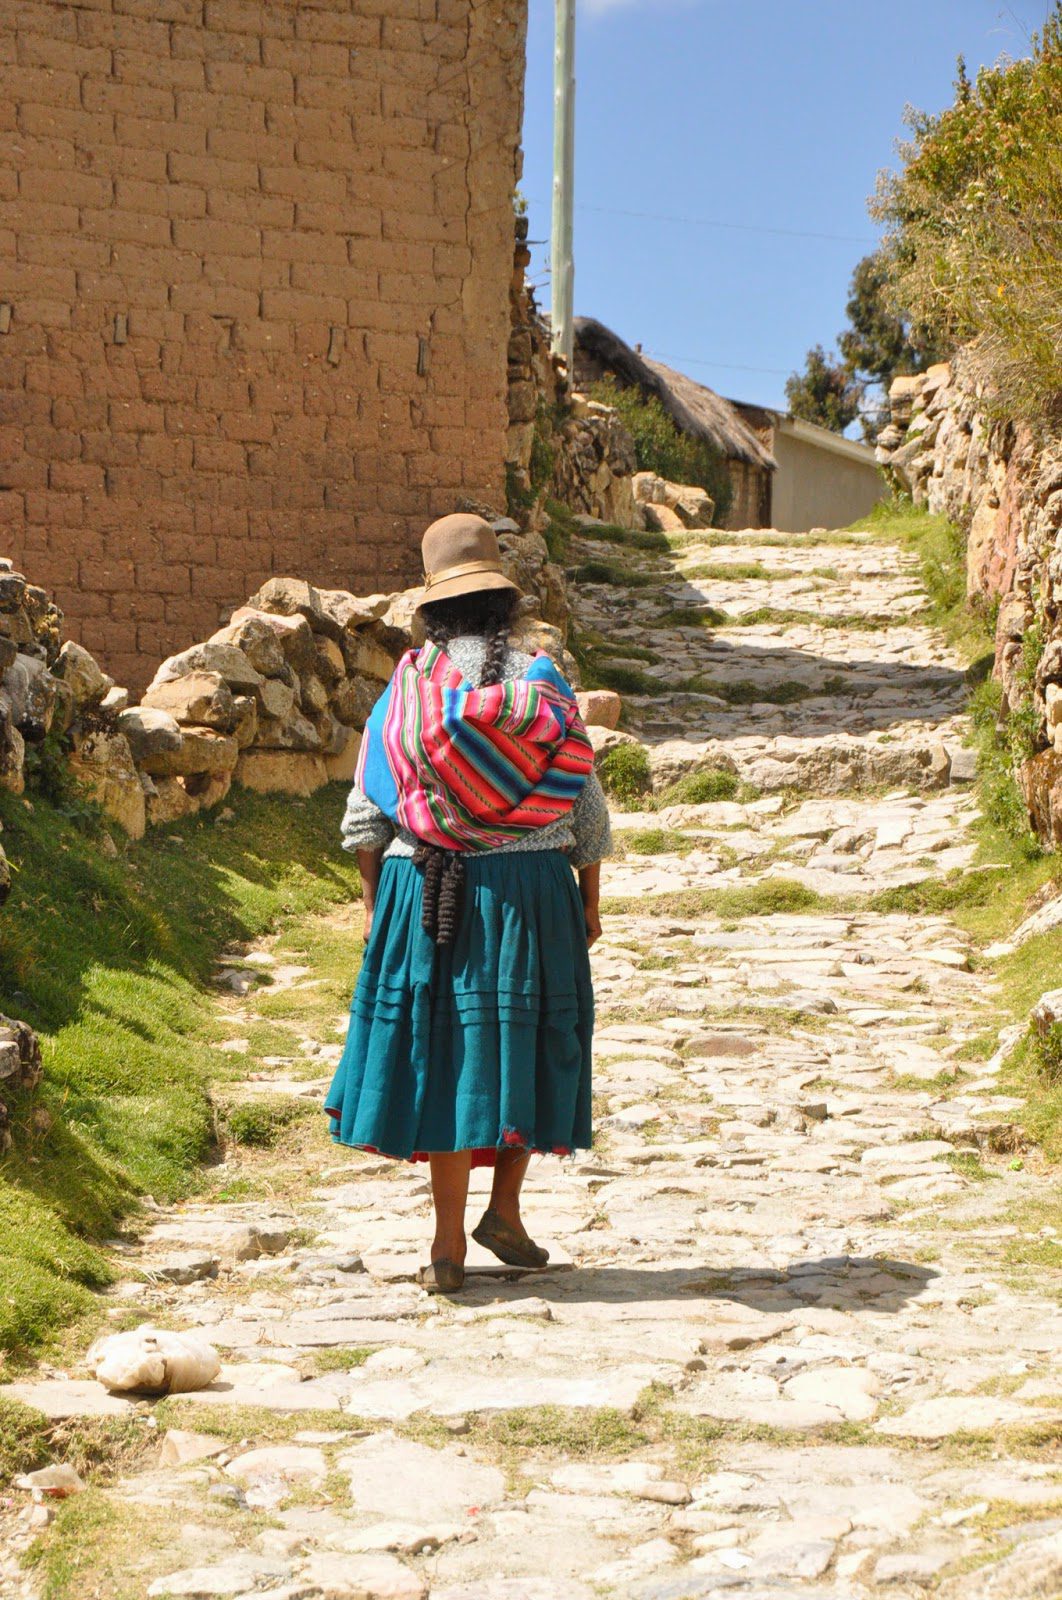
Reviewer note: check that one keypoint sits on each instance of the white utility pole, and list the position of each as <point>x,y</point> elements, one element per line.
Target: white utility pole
<point>562,262</point>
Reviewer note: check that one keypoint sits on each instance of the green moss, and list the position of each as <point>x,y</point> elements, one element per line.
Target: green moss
<point>108,959</point>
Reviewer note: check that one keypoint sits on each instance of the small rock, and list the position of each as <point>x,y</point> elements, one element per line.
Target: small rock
<point>180,1447</point>
<point>600,708</point>
<point>187,1268</point>
<point>239,1575</point>
<point>369,1577</point>
<point>55,1482</point>
<point>910,1567</point>
<point>287,1463</point>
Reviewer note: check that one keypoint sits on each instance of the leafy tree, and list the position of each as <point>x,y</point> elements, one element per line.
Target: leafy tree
<point>825,392</point>
<point>974,249</point>
<point>878,343</point>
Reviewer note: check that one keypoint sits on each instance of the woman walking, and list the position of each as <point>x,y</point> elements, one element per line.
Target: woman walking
<point>471,1024</point>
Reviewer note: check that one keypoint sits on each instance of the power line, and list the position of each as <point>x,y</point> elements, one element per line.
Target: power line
<point>718,222</point>
<point>724,366</point>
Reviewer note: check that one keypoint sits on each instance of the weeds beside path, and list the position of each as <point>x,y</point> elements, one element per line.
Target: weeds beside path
<point>110,957</point>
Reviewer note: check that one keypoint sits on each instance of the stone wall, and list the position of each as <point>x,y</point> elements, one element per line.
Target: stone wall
<point>1003,485</point>
<point>274,700</point>
<point>560,442</point>
<point>253,269</point>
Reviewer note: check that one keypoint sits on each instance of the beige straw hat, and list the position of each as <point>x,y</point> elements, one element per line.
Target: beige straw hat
<point>461,556</point>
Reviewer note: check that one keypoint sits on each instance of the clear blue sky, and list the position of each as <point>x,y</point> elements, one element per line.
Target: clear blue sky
<point>764,113</point>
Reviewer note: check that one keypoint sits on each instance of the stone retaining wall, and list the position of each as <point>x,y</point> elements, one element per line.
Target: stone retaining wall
<point>274,700</point>
<point>1003,485</point>
<point>560,443</point>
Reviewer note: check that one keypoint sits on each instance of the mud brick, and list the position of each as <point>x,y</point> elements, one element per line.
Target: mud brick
<point>262,173</point>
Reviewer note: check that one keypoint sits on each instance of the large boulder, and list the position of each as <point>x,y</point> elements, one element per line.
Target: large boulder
<point>86,679</point>
<point>342,766</point>
<point>200,750</point>
<point>295,732</point>
<point>532,635</point>
<point>12,749</point>
<point>258,640</point>
<point>276,699</point>
<point>293,633</point>
<point>313,696</point>
<point>329,662</point>
<point>347,611</point>
<point>32,692</point>
<point>202,698</point>
<point>600,708</point>
<point>294,597</point>
<point>103,763</point>
<point>364,654</point>
<point>1041,784</point>
<point>281,772</point>
<point>20,1055</point>
<point>227,660</point>
<point>150,732</point>
<point>353,699</point>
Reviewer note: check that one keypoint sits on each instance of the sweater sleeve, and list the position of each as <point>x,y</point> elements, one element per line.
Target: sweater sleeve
<point>591,824</point>
<point>365,826</point>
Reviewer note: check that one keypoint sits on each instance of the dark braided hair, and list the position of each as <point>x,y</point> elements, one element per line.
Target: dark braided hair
<point>486,615</point>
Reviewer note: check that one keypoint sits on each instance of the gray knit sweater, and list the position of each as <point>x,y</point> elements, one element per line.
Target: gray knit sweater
<point>584,834</point>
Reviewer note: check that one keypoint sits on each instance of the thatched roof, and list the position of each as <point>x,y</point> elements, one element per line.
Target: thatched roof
<point>694,408</point>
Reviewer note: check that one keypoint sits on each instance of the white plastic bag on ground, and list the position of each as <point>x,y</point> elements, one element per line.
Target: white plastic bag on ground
<point>154,1361</point>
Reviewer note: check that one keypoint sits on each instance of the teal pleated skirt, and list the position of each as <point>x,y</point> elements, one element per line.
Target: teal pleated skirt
<point>481,1045</point>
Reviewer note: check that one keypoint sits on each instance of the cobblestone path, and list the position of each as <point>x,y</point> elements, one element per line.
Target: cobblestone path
<point>787,1347</point>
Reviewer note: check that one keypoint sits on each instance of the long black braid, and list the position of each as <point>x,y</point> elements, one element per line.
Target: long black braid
<point>486,615</point>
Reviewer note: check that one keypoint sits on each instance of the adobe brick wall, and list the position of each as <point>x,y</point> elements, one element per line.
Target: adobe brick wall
<point>225,228</point>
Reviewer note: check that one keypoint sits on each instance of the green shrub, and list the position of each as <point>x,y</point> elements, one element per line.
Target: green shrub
<point>974,246</point>
<point>625,771</point>
<point>1047,1054</point>
<point>663,448</point>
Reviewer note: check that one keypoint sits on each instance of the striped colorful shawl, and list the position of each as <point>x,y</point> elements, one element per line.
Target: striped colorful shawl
<point>472,769</point>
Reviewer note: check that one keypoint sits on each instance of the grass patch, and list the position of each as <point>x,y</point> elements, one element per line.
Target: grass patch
<point>792,616</point>
<point>339,1358</point>
<point>263,1121</point>
<point>770,897</point>
<point>107,959</point>
<point>632,538</point>
<point>693,617</point>
<point>612,572</point>
<point>98,1546</point>
<point>702,788</point>
<point>734,571</point>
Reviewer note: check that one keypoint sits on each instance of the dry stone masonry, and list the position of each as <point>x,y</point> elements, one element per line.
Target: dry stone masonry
<point>1003,485</point>
<point>274,700</point>
<point>560,443</point>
